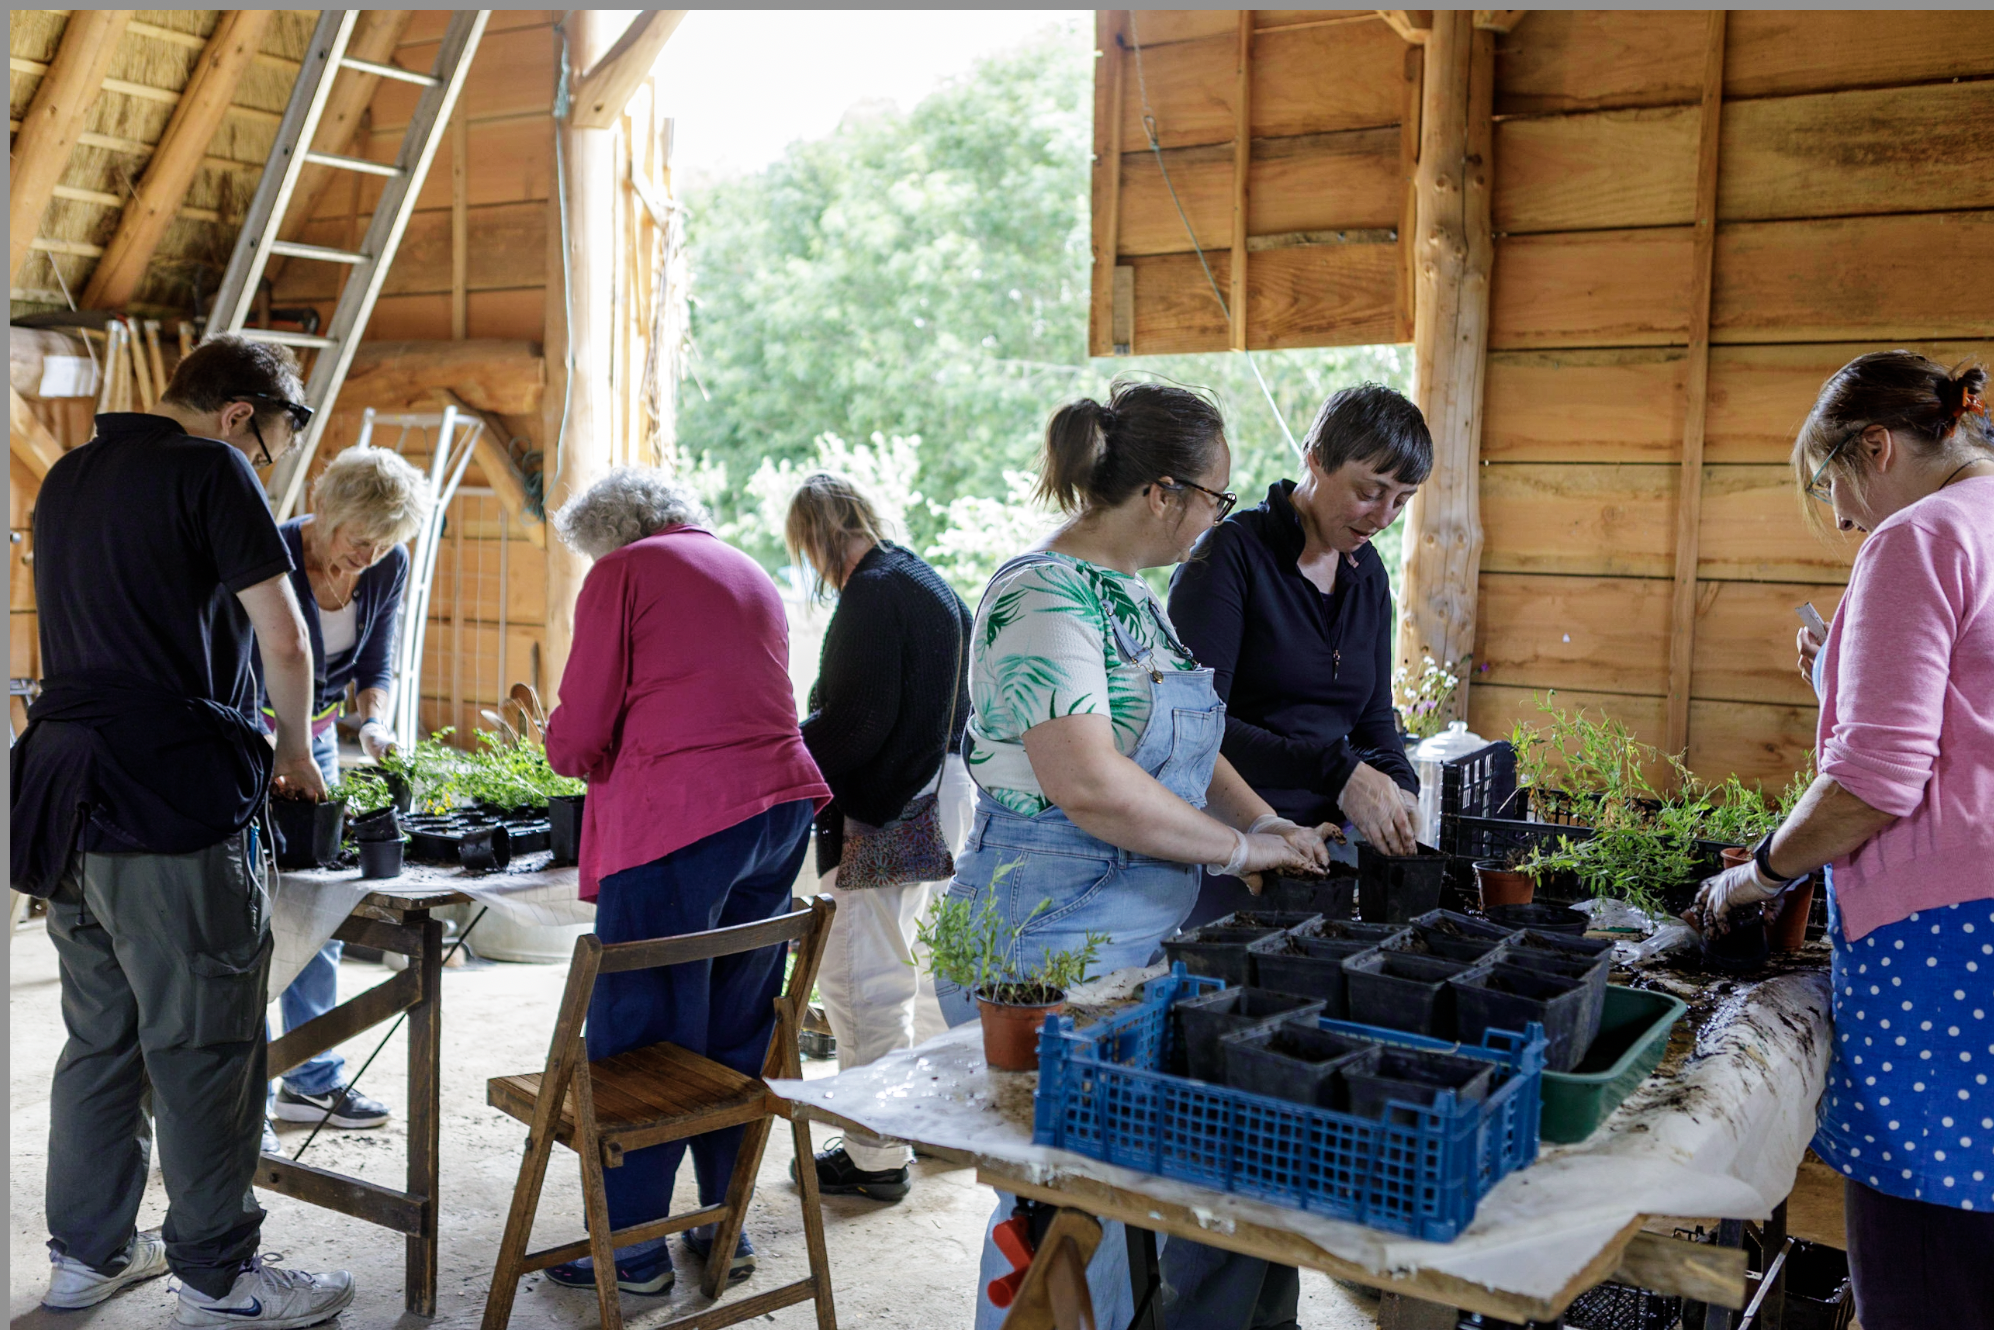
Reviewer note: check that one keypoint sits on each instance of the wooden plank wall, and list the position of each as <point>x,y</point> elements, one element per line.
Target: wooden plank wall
<point>70,420</point>
<point>1327,179</point>
<point>1855,211</point>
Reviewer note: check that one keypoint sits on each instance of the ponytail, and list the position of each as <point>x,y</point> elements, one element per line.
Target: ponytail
<point>1097,455</point>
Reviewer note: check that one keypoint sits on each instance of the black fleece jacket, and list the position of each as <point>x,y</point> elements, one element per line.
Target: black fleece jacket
<point>1306,678</point>
<point>896,656</point>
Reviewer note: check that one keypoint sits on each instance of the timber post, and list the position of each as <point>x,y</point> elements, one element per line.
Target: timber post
<point>1453,249</point>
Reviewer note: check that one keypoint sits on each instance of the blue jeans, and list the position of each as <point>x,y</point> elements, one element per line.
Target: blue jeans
<point>316,989</point>
<point>723,1009</point>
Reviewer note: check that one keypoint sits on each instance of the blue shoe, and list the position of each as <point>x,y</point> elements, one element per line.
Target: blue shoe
<point>699,1241</point>
<point>648,1272</point>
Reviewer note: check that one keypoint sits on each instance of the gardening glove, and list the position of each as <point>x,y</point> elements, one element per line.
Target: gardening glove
<point>376,740</point>
<point>1729,890</point>
<point>1372,800</point>
<point>1307,841</point>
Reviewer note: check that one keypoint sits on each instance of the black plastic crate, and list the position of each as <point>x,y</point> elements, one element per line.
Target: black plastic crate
<point>1623,1307</point>
<point>1481,784</point>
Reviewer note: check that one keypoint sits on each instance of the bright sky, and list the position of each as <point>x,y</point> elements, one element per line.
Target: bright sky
<point>743,85</point>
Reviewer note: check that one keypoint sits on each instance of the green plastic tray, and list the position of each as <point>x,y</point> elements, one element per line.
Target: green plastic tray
<point>1633,1034</point>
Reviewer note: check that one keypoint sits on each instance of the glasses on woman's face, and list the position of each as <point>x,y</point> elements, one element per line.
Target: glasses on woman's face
<point>1224,499</point>
<point>1824,490</point>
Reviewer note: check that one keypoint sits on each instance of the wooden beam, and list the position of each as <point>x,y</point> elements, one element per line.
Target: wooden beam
<point>376,33</point>
<point>1415,65</point>
<point>1499,20</point>
<point>489,373</point>
<point>1414,25</point>
<point>599,96</point>
<point>1102,338</point>
<point>1689,492</point>
<point>460,225</point>
<point>494,458</point>
<point>55,120</point>
<point>28,437</point>
<point>163,187</point>
<point>1454,251</point>
<point>1242,167</point>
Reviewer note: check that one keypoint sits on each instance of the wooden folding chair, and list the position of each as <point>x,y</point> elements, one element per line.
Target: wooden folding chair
<point>648,1096</point>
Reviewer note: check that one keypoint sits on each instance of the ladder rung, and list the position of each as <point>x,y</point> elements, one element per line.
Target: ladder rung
<point>323,253</point>
<point>359,164</point>
<point>284,338</point>
<point>387,71</point>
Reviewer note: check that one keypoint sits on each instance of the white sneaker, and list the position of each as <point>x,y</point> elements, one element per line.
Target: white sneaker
<point>266,1296</point>
<point>74,1284</point>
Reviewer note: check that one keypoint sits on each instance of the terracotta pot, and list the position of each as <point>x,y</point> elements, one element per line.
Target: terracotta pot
<point>1503,886</point>
<point>1011,1033</point>
<point>1788,929</point>
<point>1733,856</point>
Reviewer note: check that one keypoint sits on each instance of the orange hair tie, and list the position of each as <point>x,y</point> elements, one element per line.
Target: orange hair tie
<point>1970,402</point>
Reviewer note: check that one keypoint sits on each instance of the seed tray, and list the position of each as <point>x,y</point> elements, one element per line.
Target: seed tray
<point>1103,1093</point>
<point>1634,1027</point>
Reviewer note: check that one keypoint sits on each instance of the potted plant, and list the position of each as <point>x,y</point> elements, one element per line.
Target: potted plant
<point>1503,881</point>
<point>972,947</point>
<point>307,831</point>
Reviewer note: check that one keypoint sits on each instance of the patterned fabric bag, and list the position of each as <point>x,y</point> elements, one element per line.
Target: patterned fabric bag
<point>910,848</point>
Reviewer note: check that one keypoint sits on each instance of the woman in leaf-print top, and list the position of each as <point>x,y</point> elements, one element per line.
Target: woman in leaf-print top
<point>1094,735</point>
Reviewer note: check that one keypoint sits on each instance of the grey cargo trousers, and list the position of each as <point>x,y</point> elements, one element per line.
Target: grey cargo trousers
<point>164,959</point>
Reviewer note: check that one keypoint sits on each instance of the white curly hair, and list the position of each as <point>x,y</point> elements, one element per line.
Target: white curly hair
<point>629,503</point>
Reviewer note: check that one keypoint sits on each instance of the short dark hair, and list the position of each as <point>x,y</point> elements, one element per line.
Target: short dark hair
<point>231,368</point>
<point>1096,456</point>
<point>1376,426</point>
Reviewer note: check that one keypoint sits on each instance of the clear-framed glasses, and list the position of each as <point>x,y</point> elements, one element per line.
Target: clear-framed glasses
<point>1816,487</point>
<point>1226,500</point>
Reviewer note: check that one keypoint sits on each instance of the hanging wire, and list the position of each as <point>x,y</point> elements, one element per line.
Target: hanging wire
<point>1156,150</point>
<point>562,105</point>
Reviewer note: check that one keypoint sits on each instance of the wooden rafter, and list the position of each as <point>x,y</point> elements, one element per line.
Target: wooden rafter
<point>1499,20</point>
<point>28,437</point>
<point>54,122</point>
<point>1242,167</point>
<point>163,187</point>
<point>376,33</point>
<point>1689,492</point>
<point>600,95</point>
<point>1413,25</point>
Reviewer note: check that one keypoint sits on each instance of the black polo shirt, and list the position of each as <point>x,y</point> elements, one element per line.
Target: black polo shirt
<point>1306,678</point>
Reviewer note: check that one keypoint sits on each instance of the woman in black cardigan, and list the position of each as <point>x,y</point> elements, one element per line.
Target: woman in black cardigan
<point>885,727</point>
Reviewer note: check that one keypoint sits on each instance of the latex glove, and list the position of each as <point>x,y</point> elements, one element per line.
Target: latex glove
<point>1729,890</point>
<point>298,778</point>
<point>1375,803</point>
<point>1809,646</point>
<point>376,739</point>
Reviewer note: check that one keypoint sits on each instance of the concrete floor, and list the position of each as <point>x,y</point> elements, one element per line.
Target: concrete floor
<point>908,1265</point>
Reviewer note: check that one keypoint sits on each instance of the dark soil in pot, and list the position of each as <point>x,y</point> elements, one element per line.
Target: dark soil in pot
<point>1305,966</point>
<point>1216,952</point>
<point>1203,1020</point>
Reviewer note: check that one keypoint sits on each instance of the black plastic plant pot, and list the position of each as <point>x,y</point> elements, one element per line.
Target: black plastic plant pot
<point>1280,919</point>
<point>1543,918</point>
<point>399,793</point>
<point>1403,991</point>
<point>1333,897</point>
<point>1415,1078</point>
<point>1817,1286</point>
<point>1348,930</point>
<point>1595,970</point>
<point>1305,966</point>
<point>433,839</point>
<point>307,832</point>
<point>1204,1020</point>
<point>1509,997</point>
<point>1443,942</point>
<point>1394,889</point>
<point>380,825</point>
<point>1741,948</point>
<point>381,859</point>
<point>485,848</point>
<point>1292,1060</point>
<point>529,835</point>
<point>1216,953</point>
<point>1455,924</point>
<point>564,827</point>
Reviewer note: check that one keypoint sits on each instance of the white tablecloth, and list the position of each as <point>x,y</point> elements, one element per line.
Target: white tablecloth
<point>1720,1136</point>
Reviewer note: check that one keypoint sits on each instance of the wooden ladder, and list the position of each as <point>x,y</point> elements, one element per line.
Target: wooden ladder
<point>368,266</point>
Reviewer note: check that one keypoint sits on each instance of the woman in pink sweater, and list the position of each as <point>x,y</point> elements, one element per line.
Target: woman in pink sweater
<point>676,705</point>
<point>1902,815</point>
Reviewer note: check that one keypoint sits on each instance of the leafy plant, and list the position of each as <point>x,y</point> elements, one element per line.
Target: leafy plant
<point>511,773</point>
<point>426,769</point>
<point>1422,699</point>
<point>364,790</point>
<point>971,947</point>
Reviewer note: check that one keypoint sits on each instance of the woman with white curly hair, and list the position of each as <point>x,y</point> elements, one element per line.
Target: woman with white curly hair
<point>676,705</point>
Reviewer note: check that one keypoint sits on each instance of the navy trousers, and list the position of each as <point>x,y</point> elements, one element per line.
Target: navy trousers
<point>722,1009</point>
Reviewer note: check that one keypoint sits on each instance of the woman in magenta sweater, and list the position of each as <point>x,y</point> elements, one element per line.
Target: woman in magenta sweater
<point>676,705</point>
<point>1902,816</point>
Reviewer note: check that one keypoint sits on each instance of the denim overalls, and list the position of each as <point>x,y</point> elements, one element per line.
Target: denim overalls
<point>1093,886</point>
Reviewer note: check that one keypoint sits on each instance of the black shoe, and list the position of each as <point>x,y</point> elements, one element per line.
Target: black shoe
<point>837,1175</point>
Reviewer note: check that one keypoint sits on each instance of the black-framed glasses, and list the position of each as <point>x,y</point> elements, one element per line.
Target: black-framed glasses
<point>300,414</point>
<point>1226,500</point>
<point>1815,488</point>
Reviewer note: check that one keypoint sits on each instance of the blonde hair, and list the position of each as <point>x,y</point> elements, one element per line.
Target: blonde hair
<point>827,511</point>
<point>374,492</point>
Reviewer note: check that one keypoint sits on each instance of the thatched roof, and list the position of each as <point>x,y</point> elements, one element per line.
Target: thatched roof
<point>155,58</point>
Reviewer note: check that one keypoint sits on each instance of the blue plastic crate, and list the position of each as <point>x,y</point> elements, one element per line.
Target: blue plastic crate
<point>1103,1092</point>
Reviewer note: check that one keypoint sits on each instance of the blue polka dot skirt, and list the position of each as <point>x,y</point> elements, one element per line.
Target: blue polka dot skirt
<point>1909,1108</point>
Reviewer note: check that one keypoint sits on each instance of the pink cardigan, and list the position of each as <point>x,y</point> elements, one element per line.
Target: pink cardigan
<point>1907,708</point>
<point>676,702</point>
